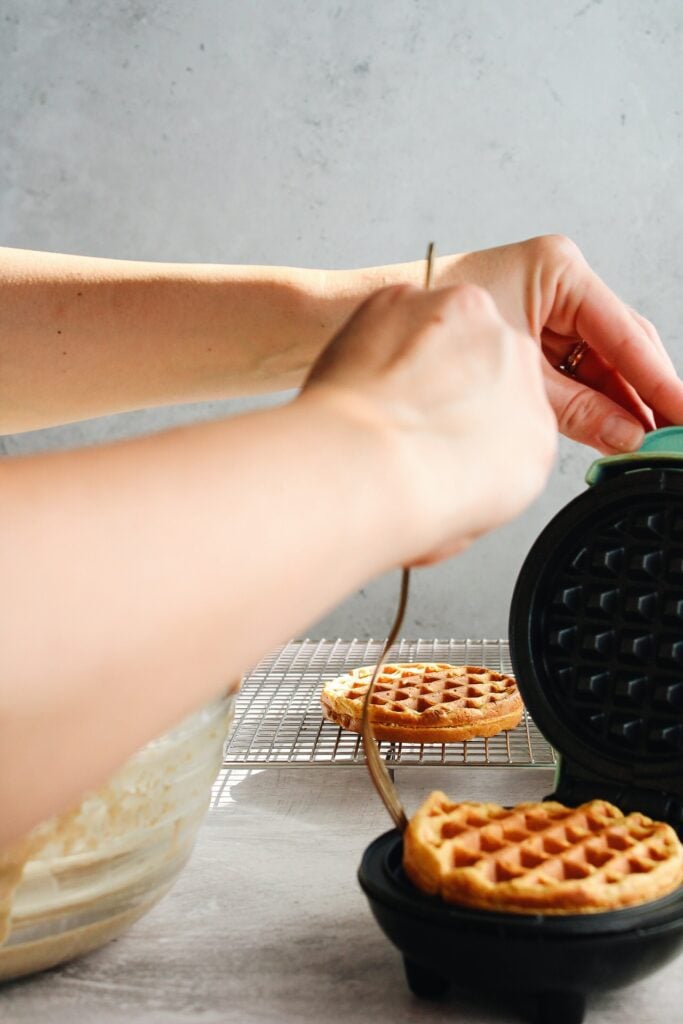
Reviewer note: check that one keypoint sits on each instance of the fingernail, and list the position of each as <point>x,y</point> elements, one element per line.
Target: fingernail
<point>622,434</point>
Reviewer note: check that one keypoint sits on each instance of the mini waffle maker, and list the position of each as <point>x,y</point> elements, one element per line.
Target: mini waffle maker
<point>596,638</point>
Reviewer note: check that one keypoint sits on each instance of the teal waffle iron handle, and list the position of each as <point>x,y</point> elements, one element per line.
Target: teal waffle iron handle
<point>662,447</point>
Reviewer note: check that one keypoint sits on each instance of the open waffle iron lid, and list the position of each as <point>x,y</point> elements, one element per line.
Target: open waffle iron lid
<point>596,637</point>
<point>596,633</point>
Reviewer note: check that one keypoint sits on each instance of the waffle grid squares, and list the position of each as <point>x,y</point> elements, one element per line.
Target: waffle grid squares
<point>614,631</point>
<point>545,857</point>
<point>425,701</point>
<point>401,689</point>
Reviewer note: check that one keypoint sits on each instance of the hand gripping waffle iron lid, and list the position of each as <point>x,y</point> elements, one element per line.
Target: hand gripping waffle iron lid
<point>596,638</point>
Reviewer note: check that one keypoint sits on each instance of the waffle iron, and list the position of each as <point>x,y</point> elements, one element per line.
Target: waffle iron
<point>596,640</point>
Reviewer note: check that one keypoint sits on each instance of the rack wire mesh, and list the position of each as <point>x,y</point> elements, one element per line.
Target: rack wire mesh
<point>278,719</point>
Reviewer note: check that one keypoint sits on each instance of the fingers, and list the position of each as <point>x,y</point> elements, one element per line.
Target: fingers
<point>651,332</point>
<point>561,300</point>
<point>623,341</point>
<point>595,373</point>
<point>580,305</point>
<point>590,417</point>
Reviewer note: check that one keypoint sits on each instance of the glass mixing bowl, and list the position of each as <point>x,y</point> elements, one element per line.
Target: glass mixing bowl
<point>93,871</point>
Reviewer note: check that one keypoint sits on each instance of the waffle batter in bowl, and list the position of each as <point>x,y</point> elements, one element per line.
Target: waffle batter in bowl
<point>81,878</point>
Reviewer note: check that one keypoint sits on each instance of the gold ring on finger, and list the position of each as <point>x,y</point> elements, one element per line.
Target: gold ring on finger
<point>571,362</point>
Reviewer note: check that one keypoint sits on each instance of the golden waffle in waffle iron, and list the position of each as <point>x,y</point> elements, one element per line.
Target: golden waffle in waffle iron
<point>425,702</point>
<point>540,858</point>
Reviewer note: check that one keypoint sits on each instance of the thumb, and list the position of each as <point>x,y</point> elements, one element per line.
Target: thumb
<point>590,417</point>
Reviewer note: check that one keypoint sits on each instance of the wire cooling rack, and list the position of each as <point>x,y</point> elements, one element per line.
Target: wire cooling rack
<point>278,719</point>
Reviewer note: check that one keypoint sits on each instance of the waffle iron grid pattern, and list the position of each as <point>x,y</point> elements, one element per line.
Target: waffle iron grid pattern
<point>279,722</point>
<point>614,632</point>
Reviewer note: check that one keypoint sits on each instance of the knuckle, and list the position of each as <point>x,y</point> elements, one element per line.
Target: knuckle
<point>578,414</point>
<point>648,327</point>
<point>396,292</point>
<point>658,394</point>
<point>557,246</point>
<point>625,347</point>
<point>388,296</point>
<point>471,298</point>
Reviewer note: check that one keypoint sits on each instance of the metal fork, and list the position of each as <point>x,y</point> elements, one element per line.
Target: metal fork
<point>376,766</point>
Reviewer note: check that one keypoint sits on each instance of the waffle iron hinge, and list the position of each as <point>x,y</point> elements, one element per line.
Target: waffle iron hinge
<point>574,786</point>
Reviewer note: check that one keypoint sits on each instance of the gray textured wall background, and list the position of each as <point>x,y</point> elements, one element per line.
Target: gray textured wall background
<point>345,134</point>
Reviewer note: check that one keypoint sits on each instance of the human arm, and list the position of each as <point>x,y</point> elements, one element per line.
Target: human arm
<point>139,579</point>
<point>82,337</point>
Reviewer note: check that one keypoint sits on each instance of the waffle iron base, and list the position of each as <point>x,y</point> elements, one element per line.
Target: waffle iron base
<point>556,960</point>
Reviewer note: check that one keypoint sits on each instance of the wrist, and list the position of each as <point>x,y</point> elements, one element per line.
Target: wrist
<point>348,288</point>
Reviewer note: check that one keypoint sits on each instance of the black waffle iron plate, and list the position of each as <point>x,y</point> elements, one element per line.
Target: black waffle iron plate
<point>596,639</point>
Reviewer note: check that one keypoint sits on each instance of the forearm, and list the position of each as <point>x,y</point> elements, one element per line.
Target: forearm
<point>166,567</point>
<point>83,337</point>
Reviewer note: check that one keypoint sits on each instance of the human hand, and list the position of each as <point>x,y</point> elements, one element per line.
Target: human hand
<point>457,395</point>
<point>625,383</point>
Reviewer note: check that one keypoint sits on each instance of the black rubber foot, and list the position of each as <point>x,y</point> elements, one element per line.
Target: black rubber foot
<point>559,1008</point>
<point>423,982</point>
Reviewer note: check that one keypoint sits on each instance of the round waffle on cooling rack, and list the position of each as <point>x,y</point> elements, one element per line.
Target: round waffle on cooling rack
<point>540,857</point>
<point>425,702</point>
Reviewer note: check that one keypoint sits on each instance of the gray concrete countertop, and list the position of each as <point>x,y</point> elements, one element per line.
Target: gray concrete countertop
<point>267,922</point>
